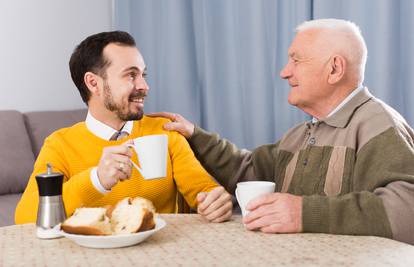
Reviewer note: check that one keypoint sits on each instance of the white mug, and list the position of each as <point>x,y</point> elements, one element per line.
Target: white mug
<point>152,153</point>
<point>246,191</point>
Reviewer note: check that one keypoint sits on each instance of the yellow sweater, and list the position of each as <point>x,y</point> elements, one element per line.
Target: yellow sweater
<point>74,151</point>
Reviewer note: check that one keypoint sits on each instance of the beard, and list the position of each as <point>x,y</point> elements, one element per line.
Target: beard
<point>123,112</point>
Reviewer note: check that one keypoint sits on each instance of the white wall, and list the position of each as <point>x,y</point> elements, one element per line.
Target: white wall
<point>36,41</point>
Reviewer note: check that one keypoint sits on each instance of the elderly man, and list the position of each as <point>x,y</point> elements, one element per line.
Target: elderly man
<point>109,72</point>
<point>350,170</point>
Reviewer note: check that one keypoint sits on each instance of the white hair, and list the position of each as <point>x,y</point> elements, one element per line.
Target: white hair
<point>355,43</point>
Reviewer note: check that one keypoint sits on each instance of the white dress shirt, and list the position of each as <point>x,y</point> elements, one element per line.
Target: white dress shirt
<point>105,132</point>
<point>346,100</point>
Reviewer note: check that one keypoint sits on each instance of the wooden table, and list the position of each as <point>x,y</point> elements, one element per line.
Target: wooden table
<point>190,241</point>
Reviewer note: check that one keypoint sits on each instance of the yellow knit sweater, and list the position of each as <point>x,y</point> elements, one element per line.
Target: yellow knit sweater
<point>74,151</point>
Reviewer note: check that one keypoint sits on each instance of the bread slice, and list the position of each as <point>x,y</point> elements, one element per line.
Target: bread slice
<point>143,202</point>
<point>88,221</point>
<point>130,215</point>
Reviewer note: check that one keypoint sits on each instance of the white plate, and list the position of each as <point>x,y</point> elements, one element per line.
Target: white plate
<point>114,241</point>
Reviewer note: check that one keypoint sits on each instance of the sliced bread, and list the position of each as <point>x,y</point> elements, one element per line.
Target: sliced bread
<point>88,221</point>
<point>127,216</point>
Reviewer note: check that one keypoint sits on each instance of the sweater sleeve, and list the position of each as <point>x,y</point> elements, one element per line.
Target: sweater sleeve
<point>383,194</point>
<point>230,165</point>
<point>190,177</point>
<point>77,190</point>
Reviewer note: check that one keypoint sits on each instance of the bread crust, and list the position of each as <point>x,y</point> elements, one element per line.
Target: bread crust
<point>146,218</point>
<point>148,222</point>
<point>82,230</point>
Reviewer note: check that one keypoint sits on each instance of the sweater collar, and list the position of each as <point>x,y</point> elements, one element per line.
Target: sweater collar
<point>342,116</point>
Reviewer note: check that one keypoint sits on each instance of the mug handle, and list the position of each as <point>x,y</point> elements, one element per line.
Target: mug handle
<point>238,201</point>
<point>133,163</point>
<point>237,195</point>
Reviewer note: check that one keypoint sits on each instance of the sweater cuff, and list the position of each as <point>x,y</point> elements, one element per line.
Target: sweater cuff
<point>315,214</point>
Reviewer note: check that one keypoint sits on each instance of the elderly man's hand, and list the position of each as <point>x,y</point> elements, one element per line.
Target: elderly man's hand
<point>216,205</point>
<point>275,213</point>
<point>178,124</point>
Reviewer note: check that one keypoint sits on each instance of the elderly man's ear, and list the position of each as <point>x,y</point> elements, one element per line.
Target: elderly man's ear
<point>338,67</point>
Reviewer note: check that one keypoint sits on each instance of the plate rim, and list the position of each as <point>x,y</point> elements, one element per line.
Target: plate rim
<point>159,224</point>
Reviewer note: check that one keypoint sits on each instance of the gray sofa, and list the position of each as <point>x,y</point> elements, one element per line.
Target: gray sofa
<point>21,138</point>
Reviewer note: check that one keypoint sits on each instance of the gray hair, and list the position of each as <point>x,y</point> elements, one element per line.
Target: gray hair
<point>356,48</point>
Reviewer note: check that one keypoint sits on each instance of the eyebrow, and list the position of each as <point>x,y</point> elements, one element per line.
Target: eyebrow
<point>135,69</point>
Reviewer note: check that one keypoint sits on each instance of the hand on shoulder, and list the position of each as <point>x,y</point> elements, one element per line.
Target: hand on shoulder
<point>178,123</point>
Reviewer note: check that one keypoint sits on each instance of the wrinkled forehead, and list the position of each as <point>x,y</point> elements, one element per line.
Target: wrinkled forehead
<point>121,57</point>
<point>306,42</point>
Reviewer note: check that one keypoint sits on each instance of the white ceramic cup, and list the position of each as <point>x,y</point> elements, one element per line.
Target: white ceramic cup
<point>247,191</point>
<point>152,155</point>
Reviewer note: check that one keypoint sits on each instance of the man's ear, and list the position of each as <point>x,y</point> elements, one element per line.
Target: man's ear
<point>337,69</point>
<point>92,81</point>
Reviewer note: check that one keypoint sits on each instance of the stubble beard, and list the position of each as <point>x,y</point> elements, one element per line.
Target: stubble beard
<point>122,112</point>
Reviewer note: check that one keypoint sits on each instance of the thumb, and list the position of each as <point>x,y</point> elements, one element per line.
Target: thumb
<point>201,196</point>
<point>129,142</point>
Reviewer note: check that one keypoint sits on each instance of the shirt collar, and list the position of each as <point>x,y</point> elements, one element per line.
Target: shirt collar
<point>343,103</point>
<point>102,130</point>
<point>342,116</point>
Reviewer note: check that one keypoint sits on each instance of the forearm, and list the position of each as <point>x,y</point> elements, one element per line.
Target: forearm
<point>222,159</point>
<point>359,213</point>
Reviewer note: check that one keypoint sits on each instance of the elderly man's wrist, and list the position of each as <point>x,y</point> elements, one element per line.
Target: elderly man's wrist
<point>315,214</point>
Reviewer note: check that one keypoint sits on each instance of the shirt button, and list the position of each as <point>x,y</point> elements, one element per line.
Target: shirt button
<point>312,141</point>
<point>305,162</point>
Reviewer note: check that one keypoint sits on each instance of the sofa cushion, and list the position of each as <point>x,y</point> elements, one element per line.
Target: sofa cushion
<point>41,124</point>
<point>16,155</point>
<point>8,205</point>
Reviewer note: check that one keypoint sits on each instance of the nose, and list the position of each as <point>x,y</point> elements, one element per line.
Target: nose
<point>286,72</point>
<point>141,84</point>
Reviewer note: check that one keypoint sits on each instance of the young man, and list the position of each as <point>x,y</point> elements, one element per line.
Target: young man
<point>348,171</point>
<point>109,73</point>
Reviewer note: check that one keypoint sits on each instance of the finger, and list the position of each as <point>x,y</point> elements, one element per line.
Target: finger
<point>223,209</point>
<point>117,159</point>
<point>201,196</point>
<point>126,169</point>
<point>211,197</point>
<point>224,198</point>
<point>263,222</point>
<point>163,114</point>
<point>259,212</point>
<point>224,217</point>
<point>121,149</point>
<point>262,200</point>
<point>273,228</point>
<point>121,175</point>
<point>174,126</point>
<point>128,142</point>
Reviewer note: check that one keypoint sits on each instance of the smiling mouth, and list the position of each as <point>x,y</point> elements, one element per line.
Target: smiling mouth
<point>139,100</point>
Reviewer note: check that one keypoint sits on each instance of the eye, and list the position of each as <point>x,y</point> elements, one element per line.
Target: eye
<point>144,74</point>
<point>132,75</point>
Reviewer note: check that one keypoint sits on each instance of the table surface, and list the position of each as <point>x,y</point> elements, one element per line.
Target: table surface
<point>190,241</point>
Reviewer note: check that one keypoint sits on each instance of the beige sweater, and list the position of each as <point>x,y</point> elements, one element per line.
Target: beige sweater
<point>355,169</point>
